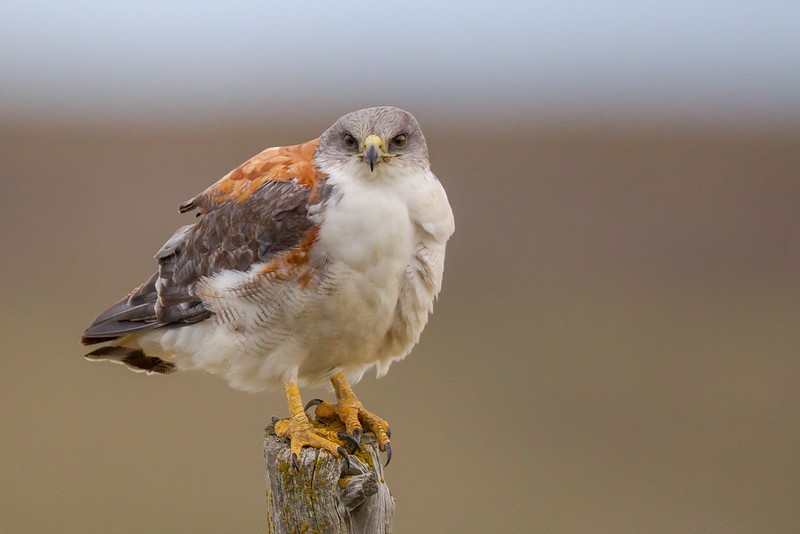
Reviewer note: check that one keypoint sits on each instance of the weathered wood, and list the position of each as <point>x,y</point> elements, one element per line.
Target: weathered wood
<point>325,495</point>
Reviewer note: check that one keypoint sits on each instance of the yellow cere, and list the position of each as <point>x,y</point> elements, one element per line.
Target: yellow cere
<point>374,140</point>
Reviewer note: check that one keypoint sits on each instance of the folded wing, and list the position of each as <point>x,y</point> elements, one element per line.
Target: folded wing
<point>253,215</point>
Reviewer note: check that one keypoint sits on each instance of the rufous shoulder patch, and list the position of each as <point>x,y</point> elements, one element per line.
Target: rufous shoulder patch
<point>276,164</point>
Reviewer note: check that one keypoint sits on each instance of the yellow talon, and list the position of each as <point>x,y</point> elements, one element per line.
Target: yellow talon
<point>301,432</point>
<point>349,410</point>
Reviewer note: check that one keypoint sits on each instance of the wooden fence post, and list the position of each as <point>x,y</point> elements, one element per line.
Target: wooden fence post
<point>325,495</point>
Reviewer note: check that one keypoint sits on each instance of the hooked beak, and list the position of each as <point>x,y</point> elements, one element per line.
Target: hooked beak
<point>374,150</point>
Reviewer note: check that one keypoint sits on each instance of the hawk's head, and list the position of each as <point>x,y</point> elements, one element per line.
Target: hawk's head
<point>374,141</point>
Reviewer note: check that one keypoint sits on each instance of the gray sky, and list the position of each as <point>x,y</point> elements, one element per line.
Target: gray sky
<point>181,60</point>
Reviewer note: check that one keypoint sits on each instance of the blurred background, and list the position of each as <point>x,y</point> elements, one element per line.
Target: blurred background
<point>616,345</point>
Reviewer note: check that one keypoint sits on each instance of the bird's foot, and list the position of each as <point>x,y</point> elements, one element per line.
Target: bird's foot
<point>302,433</point>
<point>356,418</point>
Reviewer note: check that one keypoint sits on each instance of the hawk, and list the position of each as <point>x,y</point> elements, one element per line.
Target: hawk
<point>308,263</point>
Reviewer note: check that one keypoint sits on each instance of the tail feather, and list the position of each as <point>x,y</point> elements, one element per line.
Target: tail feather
<point>134,359</point>
<point>133,313</point>
<point>111,330</point>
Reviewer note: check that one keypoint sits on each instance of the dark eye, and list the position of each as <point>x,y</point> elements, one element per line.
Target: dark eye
<point>400,140</point>
<point>349,141</point>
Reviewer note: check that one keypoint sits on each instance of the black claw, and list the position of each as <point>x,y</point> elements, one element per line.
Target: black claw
<point>357,435</point>
<point>295,464</point>
<point>388,454</point>
<point>388,432</point>
<point>312,402</point>
<point>343,454</point>
<point>349,441</point>
<point>274,419</point>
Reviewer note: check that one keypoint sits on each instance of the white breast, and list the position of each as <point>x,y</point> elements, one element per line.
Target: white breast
<point>385,235</point>
<point>393,230</point>
<point>369,231</point>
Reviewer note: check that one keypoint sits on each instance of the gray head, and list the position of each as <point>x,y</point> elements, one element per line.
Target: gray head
<point>376,139</point>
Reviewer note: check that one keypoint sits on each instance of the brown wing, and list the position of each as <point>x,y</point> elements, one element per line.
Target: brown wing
<point>256,214</point>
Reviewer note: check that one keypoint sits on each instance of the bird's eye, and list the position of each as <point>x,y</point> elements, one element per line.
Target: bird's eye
<point>400,140</point>
<point>349,141</point>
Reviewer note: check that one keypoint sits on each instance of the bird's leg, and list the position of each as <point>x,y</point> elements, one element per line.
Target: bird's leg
<point>352,413</point>
<point>301,432</point>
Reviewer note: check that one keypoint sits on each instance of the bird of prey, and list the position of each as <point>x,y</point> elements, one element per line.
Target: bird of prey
<point>308,263</point>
